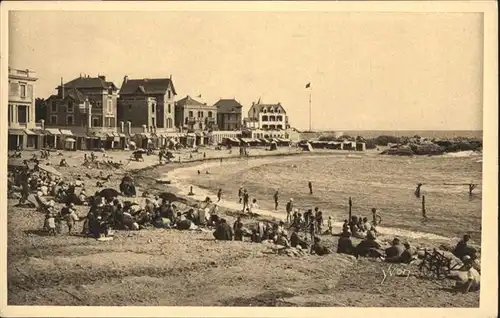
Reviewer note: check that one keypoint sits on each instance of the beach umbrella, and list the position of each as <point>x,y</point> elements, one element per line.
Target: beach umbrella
<point>50,170</point>
<point>109,193</point>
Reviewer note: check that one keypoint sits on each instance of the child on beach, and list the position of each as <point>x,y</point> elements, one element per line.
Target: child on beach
<point>219,195</point>
<point>50,223</point>
<point>330,225</point>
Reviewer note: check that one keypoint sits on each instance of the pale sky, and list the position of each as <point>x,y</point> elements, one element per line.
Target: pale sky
<point>369,71</point>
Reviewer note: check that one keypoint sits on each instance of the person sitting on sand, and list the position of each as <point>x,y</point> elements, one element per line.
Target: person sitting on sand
<point>368,247</point>
<point>345,245</point>
<point>63,163</point>
<point>462,249</point>
<point>408,254</point>
<point>237,223</point>
<point>393,253</point>
<point>318,248</point>
<point>223,231</point>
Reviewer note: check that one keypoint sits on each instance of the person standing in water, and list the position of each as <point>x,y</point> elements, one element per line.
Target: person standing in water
<point>219,195</point>
<point>240,194</point>
<point>245,200</point>
<point>310,185</point>
<point>276,200</point>
<point>417,190</point>
<point>289,209</point>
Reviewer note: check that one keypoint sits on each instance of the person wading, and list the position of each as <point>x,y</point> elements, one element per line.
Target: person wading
<point>276,198</point>
<point>219,195</point>
<point>310,185</point>
<point>245,200</point>
<point>289,209</point>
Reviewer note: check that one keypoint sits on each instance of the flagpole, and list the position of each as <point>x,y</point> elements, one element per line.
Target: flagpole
<point>310,110</point>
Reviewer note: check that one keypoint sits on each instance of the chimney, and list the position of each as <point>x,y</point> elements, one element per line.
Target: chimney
<point>42,124</point>
<point>129,128</point>
<point>170,77</point>
<point>144,129</point>
<point>125,79</point>
<point>102,77</point>
<point>122,126</point>
<point>62,88</point>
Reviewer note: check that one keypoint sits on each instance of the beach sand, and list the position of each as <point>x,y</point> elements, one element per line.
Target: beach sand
<point>169,267</point>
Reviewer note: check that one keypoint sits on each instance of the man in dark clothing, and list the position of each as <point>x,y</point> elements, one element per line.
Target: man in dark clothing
<point>223,231</point>
<point>393,253</point>
<point>240,194</point>
<point>345,245</point>
<point>219,195</point>
<point>310,185</point>
<point>318,248</point>
<point>366,246</point>
<point>462,249</point>
<point>245,200</point>
<point>276,200</point>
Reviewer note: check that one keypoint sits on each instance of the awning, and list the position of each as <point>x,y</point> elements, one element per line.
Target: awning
<point>198,134</point>
<point>37,132</point>
<point>66,132</point>
<point>145,135</point>
<point>53,131</point>
<point>69,140</point>
<point>97,135</point>
<point>29,132</point>
<point>191,135</point>
<point>19,132</point>
<point>122,135</point>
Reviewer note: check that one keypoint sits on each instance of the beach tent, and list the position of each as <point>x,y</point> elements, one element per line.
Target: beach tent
<point>306,146</point>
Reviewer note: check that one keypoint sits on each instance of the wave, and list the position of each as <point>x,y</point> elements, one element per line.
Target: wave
<point>462,154</point>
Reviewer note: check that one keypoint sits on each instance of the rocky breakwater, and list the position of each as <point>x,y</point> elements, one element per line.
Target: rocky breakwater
<point>417,146</point>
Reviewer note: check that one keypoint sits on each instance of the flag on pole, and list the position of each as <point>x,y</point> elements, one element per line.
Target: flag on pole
<point>308,85</point>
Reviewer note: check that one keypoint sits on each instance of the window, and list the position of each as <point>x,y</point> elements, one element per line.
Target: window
<point>69,120</point>
<point>169,123</point>
<point>169,94</point>
<point>22,114</point>
<point>53,107</point>
<point>190,113</point>
<point>70,106</point>
<point>110,107</point>
<point>272,118</point>
<point>110,91</point>
<point>279,118</point>
<point>153,108</point>
<point>169,109</point>
<point>185,121</point>
<point>53,119</point>
<point>95,122</point>
<point>200,125</point>
<point>153,123</point>
<point>23,90</point>
<point>210,114</point>
<point>264,118</point>
<point>129,107</point>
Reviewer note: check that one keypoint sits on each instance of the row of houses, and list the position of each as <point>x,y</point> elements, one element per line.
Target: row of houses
<point>92,112</point>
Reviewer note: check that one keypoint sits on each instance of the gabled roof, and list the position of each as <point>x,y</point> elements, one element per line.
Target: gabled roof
<point>149,86</point>
<point>75,95</point>
<point>228,106</point>
<point>89,82</point>
<point>261,107</point>
<point>189,101</point>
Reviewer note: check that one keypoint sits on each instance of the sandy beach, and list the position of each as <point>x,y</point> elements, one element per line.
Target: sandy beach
<point>170,267</point>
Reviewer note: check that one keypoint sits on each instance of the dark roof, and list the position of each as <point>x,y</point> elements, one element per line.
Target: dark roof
<point>75,94</point>
<point>147,86</point>
<point>228,106</point>
<point>189,101</point>
<point>89,82</point>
